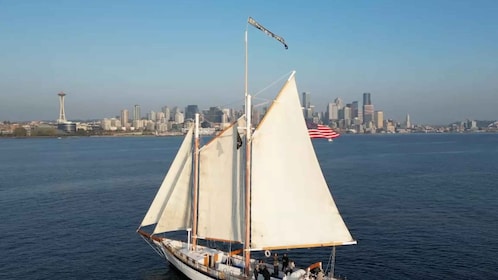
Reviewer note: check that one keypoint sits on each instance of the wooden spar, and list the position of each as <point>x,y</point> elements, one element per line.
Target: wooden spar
<point>195,183</point>
<point>236,252</point>
<point>314,245</point>
<point>219,240</point>
<point>149,236</point>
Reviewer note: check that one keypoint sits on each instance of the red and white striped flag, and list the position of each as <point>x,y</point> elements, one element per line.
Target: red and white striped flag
<point>321,131</point>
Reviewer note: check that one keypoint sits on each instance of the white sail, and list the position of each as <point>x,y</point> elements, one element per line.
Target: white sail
<point>291,205</point>
<point>221,201</point>
<point>171,208</point>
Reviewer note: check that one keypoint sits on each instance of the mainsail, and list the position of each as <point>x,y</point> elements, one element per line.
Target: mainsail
<point>221,201</point>
<point>291,206</point>
<point>171,208</point>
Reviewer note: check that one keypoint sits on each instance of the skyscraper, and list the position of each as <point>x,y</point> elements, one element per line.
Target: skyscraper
<point>306,99</point>
<point>366,99</point>
<point>136,113</point>
<point>306,103</point>
<point>124,118</point>
<point>379,119</point>
<point>190,111</point>
<point>408,123</point>
<point>355,112</point>
<point>368,108</point>
<point>167,113</point>
<point>332,112</point>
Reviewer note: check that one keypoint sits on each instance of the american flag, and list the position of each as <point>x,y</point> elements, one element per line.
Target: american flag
<point>321,131</point>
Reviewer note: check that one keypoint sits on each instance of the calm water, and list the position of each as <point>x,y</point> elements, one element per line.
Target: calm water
<point>420,206</point>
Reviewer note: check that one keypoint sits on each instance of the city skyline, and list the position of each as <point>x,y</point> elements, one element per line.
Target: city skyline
<point>433,60</point>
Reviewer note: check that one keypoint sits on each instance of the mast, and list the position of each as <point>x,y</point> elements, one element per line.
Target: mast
<point>195,183</point>
<point>247,237</point>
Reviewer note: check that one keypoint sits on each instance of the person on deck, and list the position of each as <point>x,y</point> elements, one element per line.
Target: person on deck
<point>275,265</point>
<point>265,273</point>
<point>285,262</point>
<point>320,275</point>
<point>290,268</point>
<point>256,269</point>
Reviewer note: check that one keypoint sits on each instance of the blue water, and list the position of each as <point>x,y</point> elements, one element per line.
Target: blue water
<point>420,206</point>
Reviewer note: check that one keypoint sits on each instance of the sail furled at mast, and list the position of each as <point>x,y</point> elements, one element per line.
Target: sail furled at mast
<point>221,200</point>
<point>291,205</point>
<point>171,208</point>
<point>256,24</point>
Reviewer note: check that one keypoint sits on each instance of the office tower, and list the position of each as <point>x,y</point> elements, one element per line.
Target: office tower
<point>408,123</point>
<point>179,118</point>
<point>332,112</point>
<point>174,111</point>
<point>368,108</point>
<point>354,110</point>
<point>347,114</point>
<point>306,103</point>
<point>339,102</point>
<point>62,113</point>
<point>379,119</point>
<point>124,118</point>
<point>151,116</point>
<point>366,99</point>
<point>368,111</point>
<point>136,113</point>
<point>306,100</point>
<point>160,117</point>
<point>190,112</point>
<point>167,113</point>
<point>214,115</point>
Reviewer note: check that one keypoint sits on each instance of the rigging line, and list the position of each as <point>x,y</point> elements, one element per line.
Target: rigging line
<point>153,247</point>
<point>329,262</point>
<point>238,101</point>
<point>262,103</point>
<point>272,84</point>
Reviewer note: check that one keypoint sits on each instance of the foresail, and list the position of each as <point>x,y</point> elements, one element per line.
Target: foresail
<point>221,204</point>
<point>291,205</point>
<point>171,208</point>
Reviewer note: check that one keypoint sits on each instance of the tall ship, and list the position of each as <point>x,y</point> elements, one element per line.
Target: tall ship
<point>255,189</point>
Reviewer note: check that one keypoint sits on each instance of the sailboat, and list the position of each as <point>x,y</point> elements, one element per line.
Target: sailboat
<point>231,191</point>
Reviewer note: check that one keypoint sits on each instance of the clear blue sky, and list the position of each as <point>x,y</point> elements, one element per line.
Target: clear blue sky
<point>436,60</point>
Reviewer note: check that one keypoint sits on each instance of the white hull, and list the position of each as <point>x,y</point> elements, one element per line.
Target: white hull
<point>193,265</point>
<point>185,269</point>
<point>187,262</point>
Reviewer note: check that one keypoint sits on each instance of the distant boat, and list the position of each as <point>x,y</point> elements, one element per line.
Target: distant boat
<point>231,191</point>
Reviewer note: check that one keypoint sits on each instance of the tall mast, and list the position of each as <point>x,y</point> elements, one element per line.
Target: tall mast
<point>195,183</point>
<point>247,237</point>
